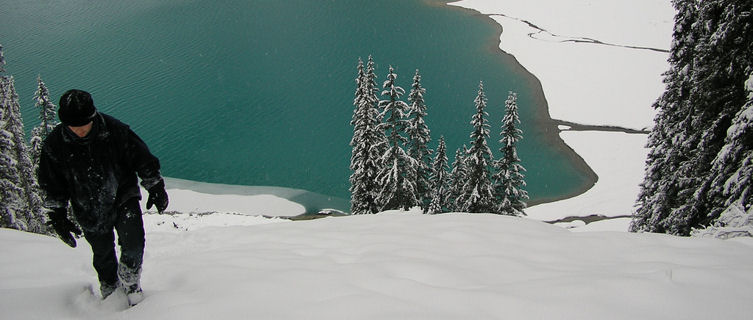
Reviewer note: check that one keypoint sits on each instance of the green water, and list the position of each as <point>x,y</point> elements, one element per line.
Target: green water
<point>259,92</point>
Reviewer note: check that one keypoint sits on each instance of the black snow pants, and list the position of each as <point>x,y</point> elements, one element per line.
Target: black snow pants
<point>130,228</point>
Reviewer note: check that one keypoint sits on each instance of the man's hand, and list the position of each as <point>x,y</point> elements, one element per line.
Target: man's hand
<point>158,197</point>
<point>62,226</point>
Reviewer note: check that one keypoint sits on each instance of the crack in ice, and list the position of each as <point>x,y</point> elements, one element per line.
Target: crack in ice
<point>560,38</point>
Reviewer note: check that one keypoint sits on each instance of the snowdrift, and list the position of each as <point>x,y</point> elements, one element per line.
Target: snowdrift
<point>390,266</point>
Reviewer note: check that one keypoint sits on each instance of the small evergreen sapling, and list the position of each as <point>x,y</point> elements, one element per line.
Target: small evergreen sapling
<point>457,180</point>
<point>440,181</point>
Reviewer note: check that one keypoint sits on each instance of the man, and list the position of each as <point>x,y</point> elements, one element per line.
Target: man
<point>91,160</point>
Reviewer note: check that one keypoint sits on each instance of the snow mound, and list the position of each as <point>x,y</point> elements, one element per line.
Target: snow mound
<point>195,202</point>
<point>392,266</point>
<point>733,222</point>
<point>177,222</point>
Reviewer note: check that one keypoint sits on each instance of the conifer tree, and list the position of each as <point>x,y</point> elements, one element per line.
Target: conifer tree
<point>418,142</point>
<point>457,180</point>
<point>2,60</point>
<point>12,206</point>
<point>508,177</point>
<point>710,61</point>
<point>661,189</point>
<point>398,174</point>
<point>733,167</point>
<point>47,115</point>
<point>372,91</point>
<point>440,181</point>
<point>21,206</point>
<point>372,88</point>
<point>724,63</point>
<point>478,195</point>
<point>9,191</point>
<point>365,156</point>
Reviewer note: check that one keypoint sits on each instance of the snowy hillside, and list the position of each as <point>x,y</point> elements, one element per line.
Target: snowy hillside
<point>388,266</point>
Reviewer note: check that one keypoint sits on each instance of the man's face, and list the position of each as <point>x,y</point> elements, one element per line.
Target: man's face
<point>82,131</point>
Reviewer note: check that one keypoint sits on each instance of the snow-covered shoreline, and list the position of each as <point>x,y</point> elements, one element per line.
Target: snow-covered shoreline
<point>592,84</point>
<point>585,82</point>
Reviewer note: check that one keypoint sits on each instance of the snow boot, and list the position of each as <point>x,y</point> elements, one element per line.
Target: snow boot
<point>107,289</point>
<point>134,294</point>
<point>130,279</point>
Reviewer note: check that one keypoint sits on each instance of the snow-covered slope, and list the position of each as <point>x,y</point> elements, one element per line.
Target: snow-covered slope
<point>390,266</point>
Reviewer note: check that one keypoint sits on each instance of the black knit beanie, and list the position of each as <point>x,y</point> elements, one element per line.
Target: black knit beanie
<point>76,108</point>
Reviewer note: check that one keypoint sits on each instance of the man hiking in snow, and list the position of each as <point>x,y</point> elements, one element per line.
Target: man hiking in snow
<point>91,160</point>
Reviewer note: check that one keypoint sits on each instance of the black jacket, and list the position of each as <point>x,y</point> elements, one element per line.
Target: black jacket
<point>96,173</point>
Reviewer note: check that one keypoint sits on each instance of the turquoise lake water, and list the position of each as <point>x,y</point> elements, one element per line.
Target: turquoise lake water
<point>259,92</point>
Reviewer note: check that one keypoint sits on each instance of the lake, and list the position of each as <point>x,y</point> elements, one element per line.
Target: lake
<point>260,92</point>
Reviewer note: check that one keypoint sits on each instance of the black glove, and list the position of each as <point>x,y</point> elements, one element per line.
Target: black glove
<point>157,197</point>
<point>62,226</point>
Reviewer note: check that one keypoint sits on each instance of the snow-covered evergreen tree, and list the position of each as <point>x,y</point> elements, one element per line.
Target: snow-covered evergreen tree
<point>724,64</point>
<point>458,175</point>
<point>373,88</point>
<point>440,181</point>
<point>372,91</point>
<point>365,157</point>
<point>419,137</point>
<point>10,194</point>
<point>398,172</point>
<point>2,59</point>
<point>733,167</point>
<point>508,178</point>
<point>47,116</point>
<point>21,206</point>
<point>12,206</point>
<point>710,61</point>
<point>660,190</point>
<point>478,194</point>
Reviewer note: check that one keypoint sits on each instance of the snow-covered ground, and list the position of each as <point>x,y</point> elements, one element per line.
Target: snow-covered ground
<point>389,266</point>
<point>592,84</point>
<point>233,263</point>
<point>228,199</point>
